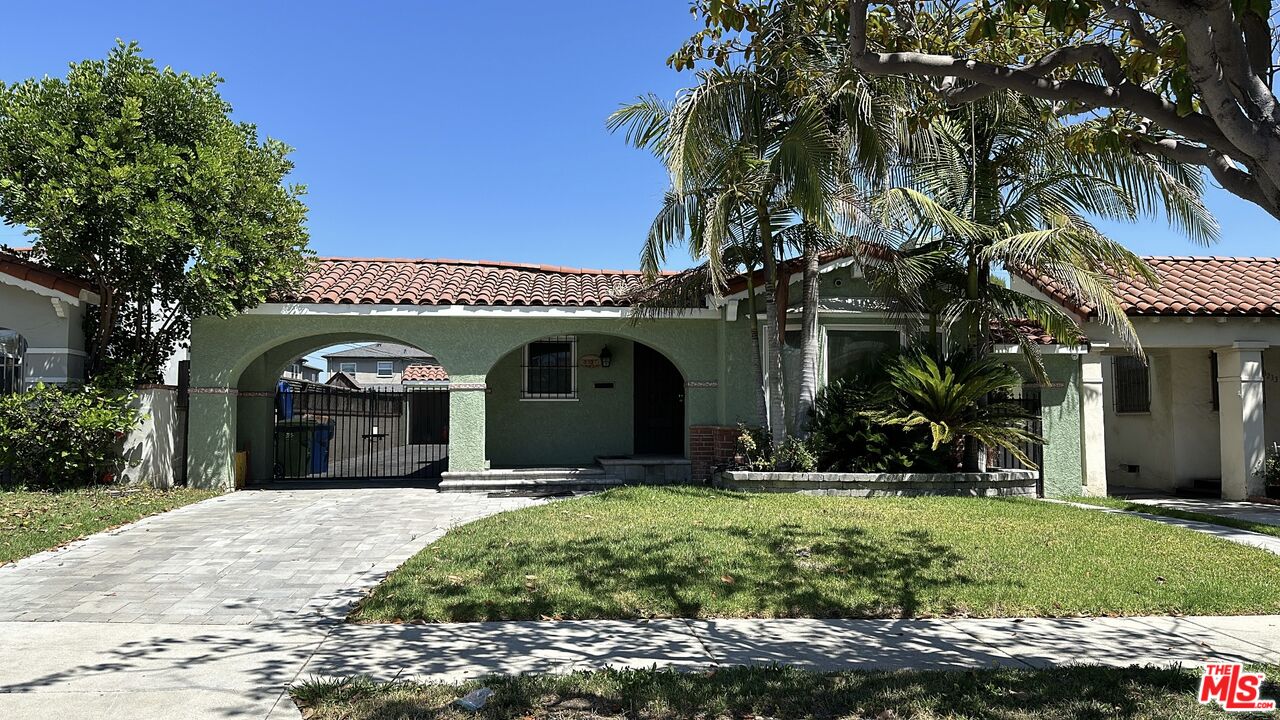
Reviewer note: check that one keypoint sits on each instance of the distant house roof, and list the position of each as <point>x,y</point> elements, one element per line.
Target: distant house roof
<point>424,372</point>
<point>379,350</point>
<point>20,266</point>
<point>341,379</point>
<point>358,281</point>
<point>1221,286</point>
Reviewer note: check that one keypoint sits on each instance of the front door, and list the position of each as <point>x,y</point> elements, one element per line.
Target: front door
<point>659,404</point>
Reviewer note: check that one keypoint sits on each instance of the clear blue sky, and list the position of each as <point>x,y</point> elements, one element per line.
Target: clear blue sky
<point>435,128</point>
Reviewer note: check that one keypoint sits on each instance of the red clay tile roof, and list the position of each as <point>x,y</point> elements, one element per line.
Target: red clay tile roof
<point>1031,329</point>
<point>369,281</point>
<point>419,372</point>
<point>17,264</point>
<point>1190,286</point>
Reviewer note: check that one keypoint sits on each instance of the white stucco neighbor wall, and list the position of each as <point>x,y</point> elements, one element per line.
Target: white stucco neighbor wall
<point>1138,444</point>
<point>153,451</point>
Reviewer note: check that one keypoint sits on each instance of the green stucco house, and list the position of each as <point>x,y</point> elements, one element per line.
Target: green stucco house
<point>546,366</point>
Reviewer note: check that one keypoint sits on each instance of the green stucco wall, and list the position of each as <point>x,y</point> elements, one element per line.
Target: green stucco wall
<point>599,422</point>
<point>246,354</point>
<point>1060,408</point>
<point>489,424</point>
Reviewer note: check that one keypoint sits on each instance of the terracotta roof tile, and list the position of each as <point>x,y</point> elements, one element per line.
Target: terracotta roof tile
<point>371,281</point>
<point>418,372</point>
<point>21,265</point>
<point>1188,286</point>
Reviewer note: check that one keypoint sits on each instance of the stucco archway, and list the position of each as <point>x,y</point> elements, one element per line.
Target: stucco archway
<point>541,414</point>
<point>369,429</point>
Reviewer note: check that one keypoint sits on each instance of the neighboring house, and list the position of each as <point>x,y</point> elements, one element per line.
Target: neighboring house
<point>377,363</point>
<point>41,324</point>
<point>1194,414</point>
<point>546,366</point>
<point>302,370</point>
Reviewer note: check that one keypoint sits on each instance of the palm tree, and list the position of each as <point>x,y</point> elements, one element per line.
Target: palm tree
<point>1004,183</point>
<point>950,396</point>
<point>744,156</point>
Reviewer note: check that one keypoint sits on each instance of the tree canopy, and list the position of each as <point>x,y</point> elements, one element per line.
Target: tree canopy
<point>1189,81</point>
<point>137,179</point>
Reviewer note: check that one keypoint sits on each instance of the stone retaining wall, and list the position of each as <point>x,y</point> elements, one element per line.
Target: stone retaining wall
<point>1005,483</point>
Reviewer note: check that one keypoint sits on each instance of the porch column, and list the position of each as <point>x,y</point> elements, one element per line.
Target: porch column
<point>211,434</point>
<point>1093,436</point>
<point>1240,418</point>
<point>466,423</point>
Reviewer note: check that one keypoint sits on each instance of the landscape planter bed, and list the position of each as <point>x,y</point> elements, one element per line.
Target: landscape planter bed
<point>1002,483</point>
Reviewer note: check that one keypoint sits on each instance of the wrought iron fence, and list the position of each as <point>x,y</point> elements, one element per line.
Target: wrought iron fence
<point>324,432</point>
<point>1030,401</point>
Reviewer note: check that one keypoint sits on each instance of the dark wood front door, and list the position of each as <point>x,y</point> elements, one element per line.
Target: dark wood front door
<point>659,404</point>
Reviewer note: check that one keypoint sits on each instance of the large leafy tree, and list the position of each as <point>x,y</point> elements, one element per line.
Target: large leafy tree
<point>1190,81</point>
<point>136,178</point>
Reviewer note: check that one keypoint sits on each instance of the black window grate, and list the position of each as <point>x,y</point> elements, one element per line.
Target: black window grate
<point>550,369</point>
<point>1213,379</point>
<point>1131,383</point>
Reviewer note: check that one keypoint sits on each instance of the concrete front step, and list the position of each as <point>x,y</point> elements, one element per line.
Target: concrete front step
<point>551,479</point>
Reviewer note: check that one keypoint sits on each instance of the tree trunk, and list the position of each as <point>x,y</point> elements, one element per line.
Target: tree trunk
<point>808,342</point>
<point>777,403</point>
<point>101,340</point>
<point>972,448</point>
<point>757,365</point>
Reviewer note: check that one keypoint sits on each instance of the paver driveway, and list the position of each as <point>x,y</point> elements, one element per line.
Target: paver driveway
<point>209,610</point>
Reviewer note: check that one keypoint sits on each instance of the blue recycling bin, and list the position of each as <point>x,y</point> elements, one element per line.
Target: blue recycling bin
<point>320,437</point>
<point>284,401</point>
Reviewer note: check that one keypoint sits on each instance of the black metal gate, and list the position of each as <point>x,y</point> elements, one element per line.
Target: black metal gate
<point>331,433</point>
<point>1029,399</point>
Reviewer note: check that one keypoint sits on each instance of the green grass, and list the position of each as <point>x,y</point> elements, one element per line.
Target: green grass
<point>1122,504</point>
<point>689,552</point>
<point>1135,693</point>
<point>34,521</point>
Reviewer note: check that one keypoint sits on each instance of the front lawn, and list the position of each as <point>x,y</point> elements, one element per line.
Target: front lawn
<point>34,521</point>
<point>1122,504</point>
<point>691,552</point>
<point>1075,692</point>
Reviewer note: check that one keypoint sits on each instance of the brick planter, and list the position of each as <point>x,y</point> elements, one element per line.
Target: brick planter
<point>1005,483</point>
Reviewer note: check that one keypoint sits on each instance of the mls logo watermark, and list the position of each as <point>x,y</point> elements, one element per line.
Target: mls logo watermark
<point>1235,690</point>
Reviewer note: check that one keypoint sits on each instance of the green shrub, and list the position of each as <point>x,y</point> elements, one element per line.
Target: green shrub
<point>843,439</point>
<point>794,455</point>
<point>754,448</point>
<point>52,438</point>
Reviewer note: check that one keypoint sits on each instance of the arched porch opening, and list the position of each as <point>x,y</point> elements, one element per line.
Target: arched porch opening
<point>572,400</point>
<point>379,410</point>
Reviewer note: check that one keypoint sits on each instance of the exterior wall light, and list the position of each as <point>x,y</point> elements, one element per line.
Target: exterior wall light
<point>606,357</point>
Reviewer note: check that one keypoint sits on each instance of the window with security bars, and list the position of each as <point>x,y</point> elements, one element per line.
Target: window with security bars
<point>1131,384</point>
<point>551,369</point>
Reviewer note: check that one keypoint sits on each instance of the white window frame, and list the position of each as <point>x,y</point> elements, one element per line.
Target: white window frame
<point>572,395</point>
<point>391,368</point>
<point>342,368</point>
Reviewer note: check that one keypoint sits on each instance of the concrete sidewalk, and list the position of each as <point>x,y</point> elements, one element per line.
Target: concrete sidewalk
<point>1235,509</point>
<point>110,670</point>
<point>1270,543</point>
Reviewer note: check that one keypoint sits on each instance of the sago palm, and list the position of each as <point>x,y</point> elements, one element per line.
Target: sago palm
<point>952,397</point>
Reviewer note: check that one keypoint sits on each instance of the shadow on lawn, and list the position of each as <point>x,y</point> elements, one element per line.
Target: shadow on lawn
<point>1079,692</point>
<point>781,570</point>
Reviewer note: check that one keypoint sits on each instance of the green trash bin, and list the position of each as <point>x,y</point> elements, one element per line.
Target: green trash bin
<point>294,439</point>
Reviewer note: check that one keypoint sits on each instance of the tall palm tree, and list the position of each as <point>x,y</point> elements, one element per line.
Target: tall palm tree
<point>743,154</point>
<point>1004,183</point>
